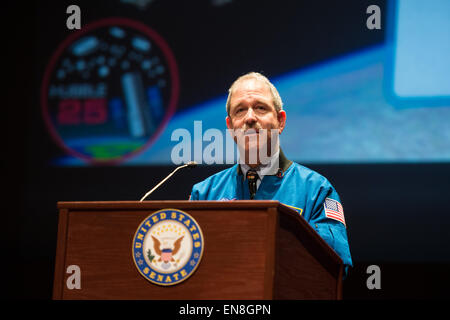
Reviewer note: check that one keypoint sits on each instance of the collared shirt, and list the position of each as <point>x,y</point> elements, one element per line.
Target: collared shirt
<point>270,168</point>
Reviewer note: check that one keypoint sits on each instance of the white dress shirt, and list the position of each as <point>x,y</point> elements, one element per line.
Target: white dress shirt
<point>269,169</point>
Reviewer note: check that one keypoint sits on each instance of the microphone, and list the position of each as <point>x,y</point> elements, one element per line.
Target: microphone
<point>190,164</point>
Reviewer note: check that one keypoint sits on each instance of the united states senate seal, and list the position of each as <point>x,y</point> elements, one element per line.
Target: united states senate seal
<point>167,247</point>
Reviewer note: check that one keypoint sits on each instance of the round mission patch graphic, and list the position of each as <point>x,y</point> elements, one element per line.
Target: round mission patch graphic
<point>109,90</point>
<point>167,247</point>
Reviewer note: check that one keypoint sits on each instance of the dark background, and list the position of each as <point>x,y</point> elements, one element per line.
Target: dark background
<point>398,215</point>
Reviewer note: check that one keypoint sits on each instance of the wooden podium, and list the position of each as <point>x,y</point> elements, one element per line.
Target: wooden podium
<point>252,250</point>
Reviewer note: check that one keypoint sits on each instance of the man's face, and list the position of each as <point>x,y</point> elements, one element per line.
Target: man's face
<point>252,109</point>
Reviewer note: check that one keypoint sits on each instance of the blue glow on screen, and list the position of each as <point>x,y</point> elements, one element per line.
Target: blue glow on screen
<point>336,113</point>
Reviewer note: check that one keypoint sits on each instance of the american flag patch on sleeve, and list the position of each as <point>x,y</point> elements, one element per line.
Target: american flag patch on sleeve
<point>334,210</point>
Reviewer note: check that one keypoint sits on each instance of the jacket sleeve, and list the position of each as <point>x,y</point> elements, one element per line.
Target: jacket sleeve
<point>195,193</point>
<point>328,220</point>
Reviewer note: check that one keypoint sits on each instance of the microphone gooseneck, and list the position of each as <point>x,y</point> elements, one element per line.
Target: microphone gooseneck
<point>190,164</point>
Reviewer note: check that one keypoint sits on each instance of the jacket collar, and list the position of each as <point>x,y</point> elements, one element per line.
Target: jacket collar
<point>284,164</point>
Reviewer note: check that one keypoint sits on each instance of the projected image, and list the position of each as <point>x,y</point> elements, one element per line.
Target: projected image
<point>109,90</point>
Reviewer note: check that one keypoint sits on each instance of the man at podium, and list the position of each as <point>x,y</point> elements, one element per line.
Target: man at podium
<point>255,118</point>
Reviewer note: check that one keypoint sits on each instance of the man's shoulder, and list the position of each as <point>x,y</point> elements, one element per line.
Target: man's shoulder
<point>308,175</point>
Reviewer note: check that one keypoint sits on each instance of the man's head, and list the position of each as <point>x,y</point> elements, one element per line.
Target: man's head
<point>277,102</point>
<point>254,104</point>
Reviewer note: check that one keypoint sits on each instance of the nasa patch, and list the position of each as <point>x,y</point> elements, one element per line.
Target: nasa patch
<point>167,247</point>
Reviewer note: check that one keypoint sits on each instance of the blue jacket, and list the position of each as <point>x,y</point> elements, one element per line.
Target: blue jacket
<point>303,189</point>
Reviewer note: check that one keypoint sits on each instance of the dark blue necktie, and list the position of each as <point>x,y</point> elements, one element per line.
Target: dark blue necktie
<point>252,177</point>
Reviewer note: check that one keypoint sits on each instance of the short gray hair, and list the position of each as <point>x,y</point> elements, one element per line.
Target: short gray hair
<point>277,102</point>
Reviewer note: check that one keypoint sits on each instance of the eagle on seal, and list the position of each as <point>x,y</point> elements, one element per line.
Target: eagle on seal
<point>166,254</point>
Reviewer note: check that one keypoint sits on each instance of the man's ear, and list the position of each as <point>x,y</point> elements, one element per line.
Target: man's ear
<point>230,128</point>
<point>281,120</point>
<point>229,122</point>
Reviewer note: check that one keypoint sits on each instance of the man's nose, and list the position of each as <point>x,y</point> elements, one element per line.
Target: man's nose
<point>250,117</point>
